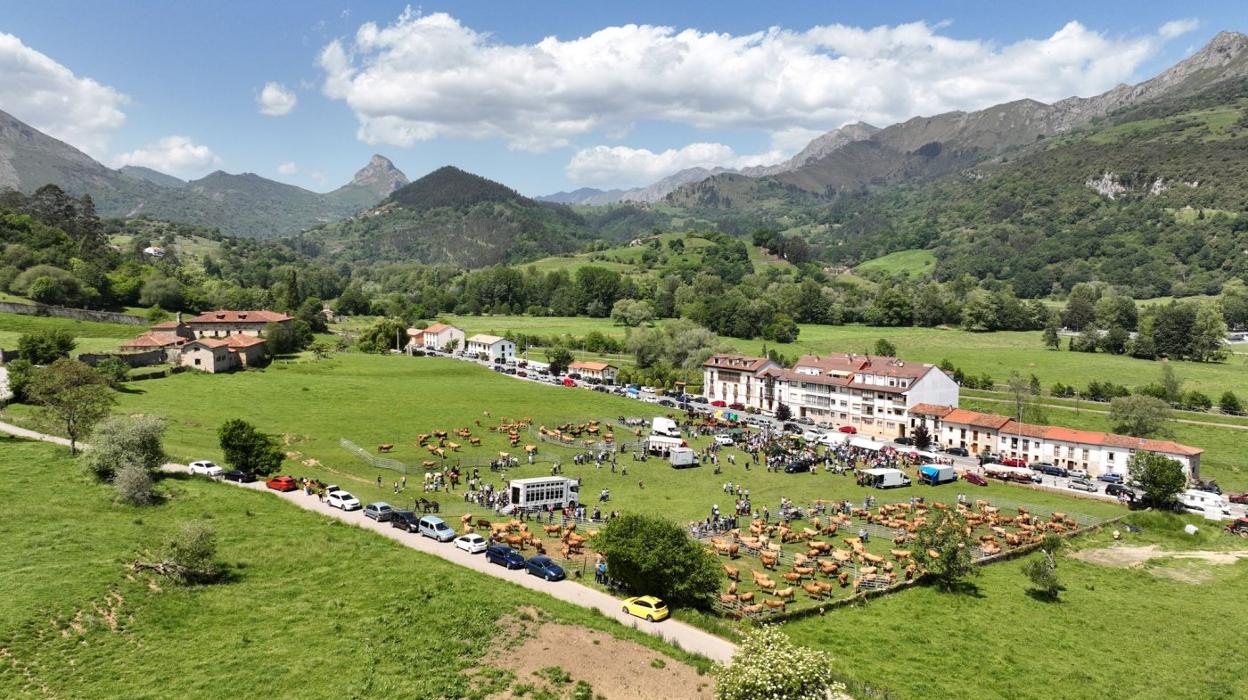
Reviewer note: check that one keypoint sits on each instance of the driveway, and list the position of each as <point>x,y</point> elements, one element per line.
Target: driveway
<point>689,638</point>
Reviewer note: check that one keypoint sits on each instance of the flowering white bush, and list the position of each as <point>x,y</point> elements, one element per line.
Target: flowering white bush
<point>768,666</point>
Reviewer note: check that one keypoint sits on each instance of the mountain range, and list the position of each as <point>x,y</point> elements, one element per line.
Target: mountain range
<point>243,204</point>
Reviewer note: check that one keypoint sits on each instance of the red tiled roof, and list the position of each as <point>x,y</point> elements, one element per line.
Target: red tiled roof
<point>840,362</point>
<point>1092,437</point>
<point>243,341</point>
<point>743,363</point>
<point>415,332</point>
<point>155,340</point>
<point>592,366</point>
<point>961,416</point>
<point>930,409</point>
<point>437,327</point>
<point>224,316</point>
<point>211,342</point>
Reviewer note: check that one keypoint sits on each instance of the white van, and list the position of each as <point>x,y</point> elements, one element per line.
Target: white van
<point>681,457</point>
<point>664,426</point>
<point>883,478</point>
<point>1203,502</point>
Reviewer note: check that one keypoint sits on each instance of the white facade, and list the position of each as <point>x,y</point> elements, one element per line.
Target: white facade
<point>494,348</point>
<point>595,370</point>
<point>439,335</point>
<point>737,379</point>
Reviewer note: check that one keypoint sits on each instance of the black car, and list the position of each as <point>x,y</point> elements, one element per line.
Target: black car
<point>958,451</point>
<point>792,428</point>
<point>797,467</point>
<point>1117,489</point>
<point>503,555</point>
<point>667,403</point>
<point>239,476</point>
<point>903,441</point>
<point>1052,470</point>
<point>405,520</point>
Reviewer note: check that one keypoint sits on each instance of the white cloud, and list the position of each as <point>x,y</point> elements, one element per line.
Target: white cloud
<point>175,155</point>
<point>622,166</point>
<point>1178,27</point>
<point>49,97</point>
<point>429,76</point>
<point>288,169</point>
<point>276,100</point>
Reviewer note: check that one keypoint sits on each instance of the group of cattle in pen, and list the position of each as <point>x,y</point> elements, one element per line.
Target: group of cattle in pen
<point>516,533</point>
<point>852,565</point>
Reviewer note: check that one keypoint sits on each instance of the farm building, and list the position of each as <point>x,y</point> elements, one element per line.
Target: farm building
<point>601,371</point>
<point>436,337</point>
<point>222,323</point>
<point>492,347</point>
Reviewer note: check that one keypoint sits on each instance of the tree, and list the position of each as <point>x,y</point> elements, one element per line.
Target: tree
<point>783,413</point>
<point>287,338</point>
<point>1051,340</point>
<point>1196,401</point>
<point>945,534</point>
<point>1080,311</point>
<point>248,449</point>
<point>1208,342</point>
<point>352,302</point>
<point>655,556</point>
<point>114,371</point>
<point>161,291</point>
<point>120,441</point>
<point>922,437</point>
<point>73,395</point>
<point>781,329</point>
<point>884,348</point>
<point>1140,416</point>
<point>1230,404</point>
<point>20,373</point>
<point>134,485</point>
<point>1042,573</point>
<point>46,346</point>
<point>631,312</point>
<point>385,334</point>
<point>1171,384</point>
<point>1115,340</point>
<point>559,359</point>
<point>769,665</point>
<point>189,557</point>
<point>1157,476</point>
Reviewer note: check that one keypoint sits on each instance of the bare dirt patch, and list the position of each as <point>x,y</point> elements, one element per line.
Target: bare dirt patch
<point>614,668</point>
<point>1128,557</point>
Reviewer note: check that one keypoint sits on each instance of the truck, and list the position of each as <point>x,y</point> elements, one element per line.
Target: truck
<point>664,426</point>
<point>682,457</point>
<point>883,478</point>
<point>537,492</point>
<point>937,474</point>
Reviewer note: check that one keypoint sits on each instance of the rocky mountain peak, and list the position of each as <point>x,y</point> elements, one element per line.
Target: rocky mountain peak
<point>380,175</point>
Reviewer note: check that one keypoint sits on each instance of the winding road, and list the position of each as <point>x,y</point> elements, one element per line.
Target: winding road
<point>678,633</point>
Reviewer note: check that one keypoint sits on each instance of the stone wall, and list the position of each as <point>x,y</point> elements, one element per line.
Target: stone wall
<point>10,307</point>
<point>146,358</point>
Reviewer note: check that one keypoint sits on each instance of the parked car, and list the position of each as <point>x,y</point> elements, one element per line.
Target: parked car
<point>805,420</point>
<point>647,607</point>
<point>544,567</point>
<point>974,478</point>
<point>957,451</point>
<point>1078,473</point>
<point>568,381</point>
<point>1241,498</point>
<point>206,468</point>
<point>796,467</point>
<point>379,511</point>
<point>1052,470</point>
<point>503,555</point>
<point>903,440</point>
<point>720,404</point>
<point>342,499</point>
<point>282,483</point>
<point>1080,484</point>
<point>1110,478</point>
<point>436,528</point>
<point>405,520</point>
<point>1116,490</point>
<point>667,403</point>
<point>698,399</point>
<point>811,435</point>
<point>472,543</point>
<point>723,440</point>
<point>848,429</point>
<point>1208,487</point>
<point>792,428</point>
<point>239,476</point>
<point>737,406</point>
<point>1014,462</point>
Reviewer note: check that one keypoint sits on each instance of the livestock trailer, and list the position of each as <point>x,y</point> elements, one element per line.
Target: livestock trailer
<point>937,474</point>
<point>542,491</point>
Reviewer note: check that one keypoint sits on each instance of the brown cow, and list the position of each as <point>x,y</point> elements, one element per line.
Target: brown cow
<point>747,597</point>
<point>774,604</point>
<point>813,590</point>
<point>733,572</point>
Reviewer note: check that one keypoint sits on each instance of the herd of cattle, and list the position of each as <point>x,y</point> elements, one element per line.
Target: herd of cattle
<point>817,563</point>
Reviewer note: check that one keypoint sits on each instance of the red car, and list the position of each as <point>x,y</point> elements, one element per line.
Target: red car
<point>1014,462</point>
<point>848,429</point>
<point>1241,498</point>
<point>973,478</point>
<point>720,404</point>
<point>568,381</point>
<point>282,483</point>
<point>737,406</point>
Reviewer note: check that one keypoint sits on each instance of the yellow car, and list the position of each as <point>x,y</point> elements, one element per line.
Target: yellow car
<point>646,606</point>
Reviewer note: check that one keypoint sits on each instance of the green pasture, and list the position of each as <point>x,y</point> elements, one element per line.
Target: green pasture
<point>92,336</point>
<point>314,608</point>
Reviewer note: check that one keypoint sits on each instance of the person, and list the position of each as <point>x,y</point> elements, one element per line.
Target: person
<point>864,535</point>
<point>641,484</point>
<point>379,481</point>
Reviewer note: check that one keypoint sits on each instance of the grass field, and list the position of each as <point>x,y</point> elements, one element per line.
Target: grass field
<point>315,609</point>
<point>915,263</point>
<point>92,336</point>
<point>1162,630</point>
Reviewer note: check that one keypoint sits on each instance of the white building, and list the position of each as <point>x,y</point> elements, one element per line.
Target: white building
<point>872,394</point>
<point>1095,452</point>
<point>738,379</point>
<point>436,337</point>
<point>492,347</point>
<point>601,371</point>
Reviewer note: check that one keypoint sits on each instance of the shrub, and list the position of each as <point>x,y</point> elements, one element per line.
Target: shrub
<point>652,555</point>
<point>46,346</point>
<point>1196,401</point>
<point>123,441</point>
<point>248,449</point>
<point>114,371</point>
<point>189,557</point>
<point>134,485</point>
<point>769,665</point>
<point>1230,404</point>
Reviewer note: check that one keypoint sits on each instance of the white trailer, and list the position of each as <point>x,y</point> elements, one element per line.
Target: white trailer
<point>663,445</point>
<point>883,478</point>
<point>1211,505</point>
<point>682,457</point>
<point>542,491</point>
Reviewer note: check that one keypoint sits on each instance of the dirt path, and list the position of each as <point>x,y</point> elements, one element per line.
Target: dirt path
<point>1128,557</point>
<point>33,435</point>
<point>1099,412</point>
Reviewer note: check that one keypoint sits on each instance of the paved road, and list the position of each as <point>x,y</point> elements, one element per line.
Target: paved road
<point>686,636</point>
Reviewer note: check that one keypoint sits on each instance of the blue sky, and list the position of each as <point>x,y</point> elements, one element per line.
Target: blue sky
<point>468,84</point>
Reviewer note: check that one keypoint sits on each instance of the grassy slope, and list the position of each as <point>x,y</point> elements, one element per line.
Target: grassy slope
<point>1117,632</point>
<point>318,609</point>
<point>909,262</point>
<point>91,336</point>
